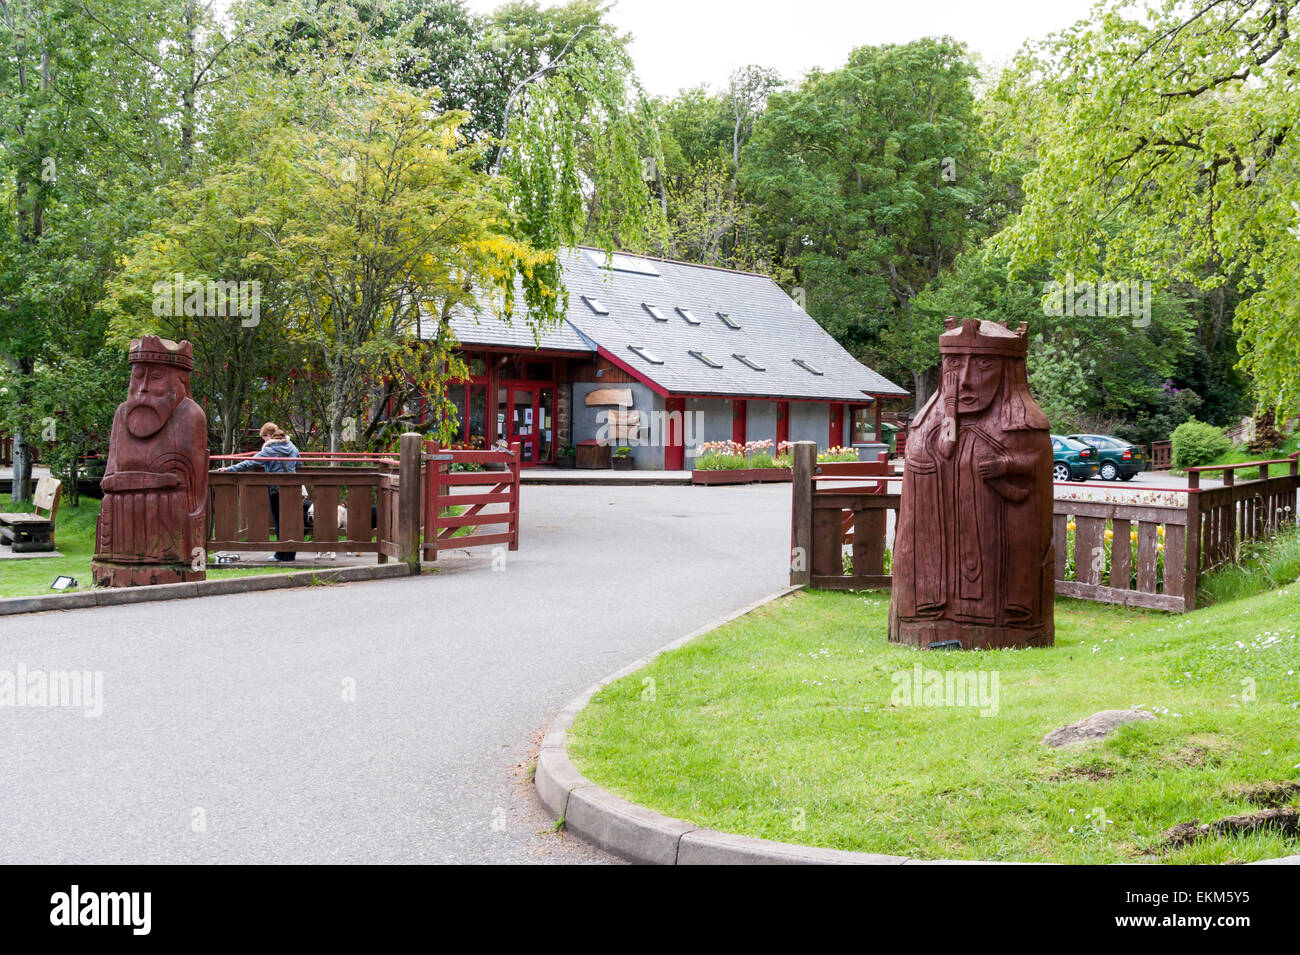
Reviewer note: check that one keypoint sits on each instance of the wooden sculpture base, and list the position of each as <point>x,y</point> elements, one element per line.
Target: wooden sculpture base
<point>924,633</point>
<point>107,574</point>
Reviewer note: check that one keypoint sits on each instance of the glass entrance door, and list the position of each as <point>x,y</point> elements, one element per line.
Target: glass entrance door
<point>526,413</point>
<point>517,415</point>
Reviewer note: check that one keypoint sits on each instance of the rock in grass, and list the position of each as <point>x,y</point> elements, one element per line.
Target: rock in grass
<point>1094,727</point>
<point>1270,794</point>
<point>1283,820</point>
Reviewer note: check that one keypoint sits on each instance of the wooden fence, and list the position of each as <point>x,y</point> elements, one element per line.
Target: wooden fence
<point>455,499</point>
<point>825,517</point>
<point>1241,510</point>
<point>1160,456</point>
<point>1131,554</point>
<point>1142,555</point>
<point>369,504</point>
<point>354,506</point>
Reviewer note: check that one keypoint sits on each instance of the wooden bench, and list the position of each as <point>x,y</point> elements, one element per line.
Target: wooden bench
<point>35,531</point>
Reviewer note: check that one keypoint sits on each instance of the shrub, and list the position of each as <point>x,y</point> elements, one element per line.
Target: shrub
<point>1196,443</point>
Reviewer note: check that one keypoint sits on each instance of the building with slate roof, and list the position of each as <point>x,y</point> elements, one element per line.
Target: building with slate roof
<point>663,356</point>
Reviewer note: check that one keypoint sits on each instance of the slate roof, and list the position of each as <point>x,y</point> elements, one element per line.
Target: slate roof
<point>773,332</point>
<point>487,329</point>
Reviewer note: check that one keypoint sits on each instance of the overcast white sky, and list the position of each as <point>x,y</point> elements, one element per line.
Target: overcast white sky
<point>679,43</point>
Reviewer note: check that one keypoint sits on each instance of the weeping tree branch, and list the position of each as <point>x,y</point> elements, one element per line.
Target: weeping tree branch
<point>550,67</point>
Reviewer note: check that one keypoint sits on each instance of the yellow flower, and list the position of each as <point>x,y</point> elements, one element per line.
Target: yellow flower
<point>1070,526</point>
<point>1132,535</point>
<point>1161,530</point>
<point>1110,534</point>
<point>1160,547</point>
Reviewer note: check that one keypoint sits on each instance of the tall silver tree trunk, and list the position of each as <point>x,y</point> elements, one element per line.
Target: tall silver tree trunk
<point>921,390</point>
<point>22,487</point>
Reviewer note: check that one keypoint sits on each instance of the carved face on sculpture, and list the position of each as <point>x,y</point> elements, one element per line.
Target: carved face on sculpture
<point>155,391</point>
<point>972,380</point>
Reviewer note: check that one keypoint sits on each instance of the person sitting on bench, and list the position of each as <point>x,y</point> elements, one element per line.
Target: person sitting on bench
<point>275,444</point>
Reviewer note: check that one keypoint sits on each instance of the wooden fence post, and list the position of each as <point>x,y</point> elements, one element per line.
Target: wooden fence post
<point>1293,468</point>
<point>409,495</point>
<point>1192,543</point>
<point>804,461</point>
<point>514,497</point>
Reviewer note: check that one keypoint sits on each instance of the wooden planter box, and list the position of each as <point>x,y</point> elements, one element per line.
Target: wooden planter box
<point>624,464</point>
<point>592,456</point>
<point>741,476</point>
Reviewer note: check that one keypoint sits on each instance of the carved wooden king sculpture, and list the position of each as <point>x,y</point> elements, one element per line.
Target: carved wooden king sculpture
<point>973,558</point>
<point>152,524</point>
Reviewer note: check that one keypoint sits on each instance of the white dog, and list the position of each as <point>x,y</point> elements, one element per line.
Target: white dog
<point>342,523</point>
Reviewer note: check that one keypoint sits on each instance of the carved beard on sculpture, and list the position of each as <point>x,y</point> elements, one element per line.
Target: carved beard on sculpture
<point>154,393</point>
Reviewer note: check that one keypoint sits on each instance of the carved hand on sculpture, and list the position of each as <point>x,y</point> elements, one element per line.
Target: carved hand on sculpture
<point>996,471</point>
<point>948,424</point>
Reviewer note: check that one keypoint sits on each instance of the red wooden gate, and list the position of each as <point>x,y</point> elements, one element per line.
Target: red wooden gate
<point>459,499</point>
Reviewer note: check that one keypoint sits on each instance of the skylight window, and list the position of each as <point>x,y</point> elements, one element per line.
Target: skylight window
<point>805,366</point>
<point>705,358</point>
<point>688,315</point>
<point>655,312</point>
<point>749,361</point>
<point>728,320</point>
<point>595,305</point>
<point>642,352</point>
<point>622,263</point>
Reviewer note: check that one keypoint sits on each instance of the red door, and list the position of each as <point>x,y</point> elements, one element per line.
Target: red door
<point>674,443</point>
<point>837,426</point>
<point>739,416</point>
<point>517,413</point>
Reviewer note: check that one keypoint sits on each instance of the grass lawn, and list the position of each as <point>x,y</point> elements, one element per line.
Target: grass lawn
<point>74,536</point>
<point>780,725</point>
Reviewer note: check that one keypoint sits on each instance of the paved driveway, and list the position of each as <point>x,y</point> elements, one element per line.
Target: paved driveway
<point>227,714</point>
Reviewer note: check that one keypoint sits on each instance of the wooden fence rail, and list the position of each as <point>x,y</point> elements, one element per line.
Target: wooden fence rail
<point>1141,555</point>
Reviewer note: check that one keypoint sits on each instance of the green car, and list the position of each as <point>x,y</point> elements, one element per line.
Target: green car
<point>1072,460</point>
<point>1119,458</point>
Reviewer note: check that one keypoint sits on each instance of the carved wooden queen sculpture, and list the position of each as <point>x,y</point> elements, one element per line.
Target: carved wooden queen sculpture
<point>152,522</point>
<point>973,559</point>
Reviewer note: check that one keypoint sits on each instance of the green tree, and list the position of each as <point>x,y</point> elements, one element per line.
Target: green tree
<point>1165,149</point>
<point>221,230</point>
<point>88,110</point>
<point>710,220</point>
<point>869,176</point>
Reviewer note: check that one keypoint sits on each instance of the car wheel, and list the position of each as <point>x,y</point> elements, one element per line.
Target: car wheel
<point>1060,473</point>
<point>1108,471</point>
